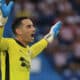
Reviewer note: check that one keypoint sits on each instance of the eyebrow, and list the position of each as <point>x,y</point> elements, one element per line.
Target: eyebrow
<point>30,25</point>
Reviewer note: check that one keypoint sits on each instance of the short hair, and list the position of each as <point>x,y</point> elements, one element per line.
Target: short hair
<point>17,22</point>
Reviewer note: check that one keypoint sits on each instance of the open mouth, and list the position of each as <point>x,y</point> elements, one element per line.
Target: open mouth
<point>32,35</point>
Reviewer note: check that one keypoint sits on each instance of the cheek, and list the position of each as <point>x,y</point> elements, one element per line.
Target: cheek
<point>26,33</point>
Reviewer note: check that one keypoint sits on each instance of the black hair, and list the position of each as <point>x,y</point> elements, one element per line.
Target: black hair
<point>17,23</point>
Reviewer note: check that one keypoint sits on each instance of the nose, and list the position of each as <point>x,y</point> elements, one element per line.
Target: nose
<point>33,28</point>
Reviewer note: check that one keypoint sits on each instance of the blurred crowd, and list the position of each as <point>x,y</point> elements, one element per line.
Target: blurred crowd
<point>64,51</point>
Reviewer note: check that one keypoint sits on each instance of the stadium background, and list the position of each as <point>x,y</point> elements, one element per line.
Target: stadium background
<point>61,59</point>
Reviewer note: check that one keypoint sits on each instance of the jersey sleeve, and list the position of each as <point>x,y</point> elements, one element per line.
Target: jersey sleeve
<point>38,47</point>
<point>3,41</point>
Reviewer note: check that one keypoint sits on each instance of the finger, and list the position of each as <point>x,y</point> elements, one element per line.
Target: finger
<point>10,6</point>
<point>6,9</point>
<point>56,27</point>
<point>3,1</point>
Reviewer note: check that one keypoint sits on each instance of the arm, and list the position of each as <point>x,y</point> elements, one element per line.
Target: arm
<point>4,13</point>
<point>38,47</point>
<point>2,23</point>
<point>42,44</point>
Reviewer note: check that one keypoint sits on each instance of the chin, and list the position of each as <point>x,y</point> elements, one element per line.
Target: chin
<point>32,40</point>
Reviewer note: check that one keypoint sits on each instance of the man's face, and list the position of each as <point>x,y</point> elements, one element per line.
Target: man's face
<point>27,30</point>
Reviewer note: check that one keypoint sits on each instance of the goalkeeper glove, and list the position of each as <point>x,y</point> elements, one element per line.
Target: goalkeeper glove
<point>54,31</point>
<point>5,11</point>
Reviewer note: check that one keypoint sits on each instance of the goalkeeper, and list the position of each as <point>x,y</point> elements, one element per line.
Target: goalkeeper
<point>16,55</point>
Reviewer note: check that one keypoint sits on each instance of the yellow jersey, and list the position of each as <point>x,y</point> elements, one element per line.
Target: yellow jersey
<point>16,59</point>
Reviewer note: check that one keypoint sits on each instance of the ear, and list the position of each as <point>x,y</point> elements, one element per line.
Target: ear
<point>18,31</point>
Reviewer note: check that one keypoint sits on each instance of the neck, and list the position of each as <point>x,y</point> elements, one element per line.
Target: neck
<point>21,40</point>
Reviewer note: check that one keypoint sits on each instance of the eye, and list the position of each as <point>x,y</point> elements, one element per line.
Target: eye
<point>29,26</point>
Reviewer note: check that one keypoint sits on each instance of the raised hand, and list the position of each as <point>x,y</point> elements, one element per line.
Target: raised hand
<point>6,9</point>
<point>54,31</point>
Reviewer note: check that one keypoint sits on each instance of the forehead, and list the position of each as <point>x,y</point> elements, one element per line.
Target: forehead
<point>27,21</point>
